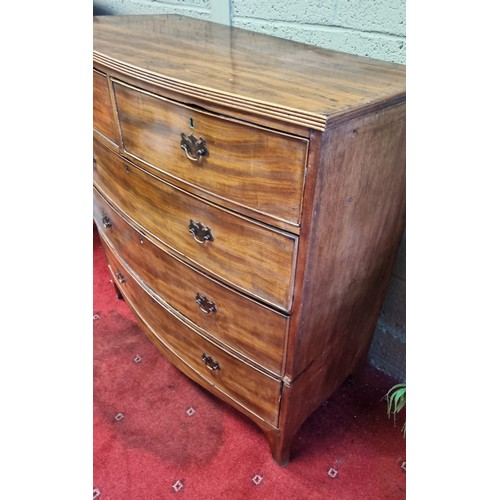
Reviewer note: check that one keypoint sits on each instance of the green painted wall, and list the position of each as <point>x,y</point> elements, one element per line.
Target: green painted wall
<point>373,28</point>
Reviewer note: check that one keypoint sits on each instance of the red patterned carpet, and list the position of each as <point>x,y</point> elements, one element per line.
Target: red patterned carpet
<point>158,435</point>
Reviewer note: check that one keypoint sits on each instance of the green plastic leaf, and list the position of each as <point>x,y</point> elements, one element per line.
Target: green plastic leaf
<point>396,399</point>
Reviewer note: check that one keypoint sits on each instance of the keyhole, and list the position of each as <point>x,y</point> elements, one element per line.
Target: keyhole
<point>191,123</point>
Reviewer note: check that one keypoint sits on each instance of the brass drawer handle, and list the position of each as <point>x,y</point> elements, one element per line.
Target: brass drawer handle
<point>206,305</point>
<point>210,363</point>
<point>200,232</point>
<point>193,147</point>
<point>106,220</point>
<point>120,277</point>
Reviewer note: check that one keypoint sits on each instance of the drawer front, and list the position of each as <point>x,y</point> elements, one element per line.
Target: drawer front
<point>104,121</point>
<point>256,168</point>
<point>255,258</point>
<point>245,325</point>
<point>252,389</point>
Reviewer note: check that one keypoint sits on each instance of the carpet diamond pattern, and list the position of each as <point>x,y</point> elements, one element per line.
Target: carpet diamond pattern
<point>157,433</point>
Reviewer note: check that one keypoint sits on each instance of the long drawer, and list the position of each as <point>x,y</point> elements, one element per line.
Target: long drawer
<point>251,388</point>
<point>256,331</point>
<point>255,258</point>
<point>251,166</point>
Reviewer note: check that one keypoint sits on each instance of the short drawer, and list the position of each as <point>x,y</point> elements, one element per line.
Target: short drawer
<point>254,167</point>
<point>251,328</point>
<point>103,118</point>
<point>255,258</point>
<point>251,388</point>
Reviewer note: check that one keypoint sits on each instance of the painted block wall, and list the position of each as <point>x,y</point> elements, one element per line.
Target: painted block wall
<point>372,28</point>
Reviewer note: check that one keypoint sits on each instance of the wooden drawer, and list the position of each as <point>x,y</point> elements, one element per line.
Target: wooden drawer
<point>251,388</point>
<point>103,118</point>
<point>255,258</point>
<point>257,168</point>
<point>228,316</point>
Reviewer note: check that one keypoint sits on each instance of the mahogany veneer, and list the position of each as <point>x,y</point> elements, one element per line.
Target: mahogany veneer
<point>250,197</point>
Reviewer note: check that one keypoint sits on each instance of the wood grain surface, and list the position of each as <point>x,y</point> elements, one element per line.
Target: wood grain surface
<point>251,388</point>
<point>264,75</point>
<point>103,118</point>
<point>244,325</point>
<point>357,220</point>
<point>252,257</point>
<point>251,166</point>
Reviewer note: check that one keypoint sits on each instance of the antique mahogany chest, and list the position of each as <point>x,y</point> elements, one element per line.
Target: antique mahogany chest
<point>250,197</point>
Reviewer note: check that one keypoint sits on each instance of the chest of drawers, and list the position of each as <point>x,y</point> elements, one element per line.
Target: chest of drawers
<point>250,197</point>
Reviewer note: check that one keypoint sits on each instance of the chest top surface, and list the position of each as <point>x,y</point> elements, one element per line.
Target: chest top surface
<point>297,82</point>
